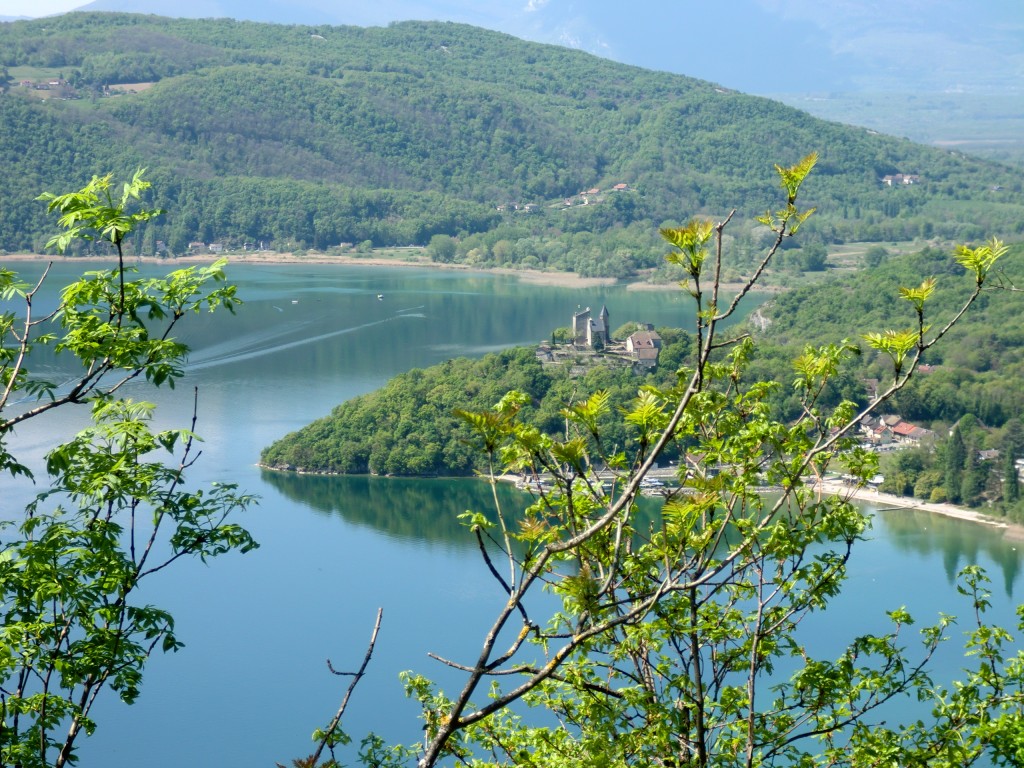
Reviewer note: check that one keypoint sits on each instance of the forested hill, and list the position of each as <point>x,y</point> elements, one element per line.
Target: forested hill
<point>409,426</point>
<point>976,369</point>
<point>307,137</point>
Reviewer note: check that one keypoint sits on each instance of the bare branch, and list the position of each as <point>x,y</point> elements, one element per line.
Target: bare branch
<point>356,677</point>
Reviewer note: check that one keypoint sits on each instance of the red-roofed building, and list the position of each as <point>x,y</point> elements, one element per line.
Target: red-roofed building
<point>643,347</point>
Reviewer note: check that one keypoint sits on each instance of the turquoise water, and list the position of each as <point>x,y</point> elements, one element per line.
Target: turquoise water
<point>252,683</point>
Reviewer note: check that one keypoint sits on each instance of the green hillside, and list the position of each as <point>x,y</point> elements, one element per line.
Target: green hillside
<point>977,368</point>
<point>302,137</point>
<point>409,426</point>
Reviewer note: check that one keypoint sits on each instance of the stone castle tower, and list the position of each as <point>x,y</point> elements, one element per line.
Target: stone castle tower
<point>588,330</point>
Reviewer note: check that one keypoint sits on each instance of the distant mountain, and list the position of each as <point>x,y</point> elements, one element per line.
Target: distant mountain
<point>756,46</point>
<point>987,124</point>
<point>311,136</point>
<point>300,12</point>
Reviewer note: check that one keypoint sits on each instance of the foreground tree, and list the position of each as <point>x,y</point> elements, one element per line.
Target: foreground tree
<point>678,642</point>
<point>115,508</point>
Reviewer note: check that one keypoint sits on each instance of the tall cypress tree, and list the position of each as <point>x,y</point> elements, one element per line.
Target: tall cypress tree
<point>973,481</point>
<point>956,459</point>
<point>1011,480</point>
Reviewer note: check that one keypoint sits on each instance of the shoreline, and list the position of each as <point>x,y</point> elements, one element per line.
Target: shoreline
<point>1014,531</point>
<point>884,501</point>
<point>534,276</point>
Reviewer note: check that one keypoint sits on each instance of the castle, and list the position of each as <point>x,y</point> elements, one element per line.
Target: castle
<point>589,331</point>
<point>593,334</point>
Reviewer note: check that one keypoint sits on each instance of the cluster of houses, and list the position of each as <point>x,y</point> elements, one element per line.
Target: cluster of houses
<point>893,432</point>
<point>900,179</point>
<point>585,197</point>
<point>45,85</point>
<point>524,207</point>
<point>593,195</point>
<point>641,347</point>
<point>197,246</point>
<point>58,87</point>
<point>53,87</point>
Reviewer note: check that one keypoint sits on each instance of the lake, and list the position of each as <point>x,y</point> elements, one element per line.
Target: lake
<point>252,682</point>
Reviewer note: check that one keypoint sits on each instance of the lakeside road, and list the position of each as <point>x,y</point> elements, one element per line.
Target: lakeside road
<point>889,501</point>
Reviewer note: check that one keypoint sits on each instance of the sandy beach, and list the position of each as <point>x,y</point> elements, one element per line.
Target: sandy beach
<point>889,501</point>
<point>535,276</point>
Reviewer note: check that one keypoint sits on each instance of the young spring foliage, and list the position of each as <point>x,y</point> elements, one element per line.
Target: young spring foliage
<point>115,509</point>
<point>678,642</point>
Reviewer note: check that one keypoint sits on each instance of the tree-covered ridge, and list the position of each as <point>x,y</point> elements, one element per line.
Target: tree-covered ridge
<point>307,137</point>
<point>978,371</point>
<point>408,427</point>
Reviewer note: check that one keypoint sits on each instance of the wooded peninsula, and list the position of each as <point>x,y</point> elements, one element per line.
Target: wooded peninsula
<point>409,427</point>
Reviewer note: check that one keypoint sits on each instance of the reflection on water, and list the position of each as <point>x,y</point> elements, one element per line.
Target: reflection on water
<point>420,510</point>
<point>401,508</point>
<point>334,549</point>
<point>955,543</point>
<point>425,510</point>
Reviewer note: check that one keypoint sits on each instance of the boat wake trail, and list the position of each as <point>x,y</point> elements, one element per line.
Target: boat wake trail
<point>261,344</point>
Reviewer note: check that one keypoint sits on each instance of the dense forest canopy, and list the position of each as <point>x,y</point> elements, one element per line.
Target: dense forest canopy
<point>976,372</point>
<point>297,137</point>
<point>410,426</point>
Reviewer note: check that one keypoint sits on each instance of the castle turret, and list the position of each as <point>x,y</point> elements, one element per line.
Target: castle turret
<point>602,329</point>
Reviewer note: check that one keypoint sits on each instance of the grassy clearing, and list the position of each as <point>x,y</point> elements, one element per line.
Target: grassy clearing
<point>35,74</point>
<point>131,87</point>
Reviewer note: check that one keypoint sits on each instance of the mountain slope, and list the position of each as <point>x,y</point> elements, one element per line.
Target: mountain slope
<point>311,136</point>
<point>756,46</point>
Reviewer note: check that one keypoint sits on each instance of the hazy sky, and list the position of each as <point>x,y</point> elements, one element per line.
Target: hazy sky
<point>36,7</point>
<point>756,46</point>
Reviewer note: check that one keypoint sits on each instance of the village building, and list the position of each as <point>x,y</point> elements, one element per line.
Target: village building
<point>897,179</point>
<point>893,430</point>
<point>591,344</point>
<point>644,346</point>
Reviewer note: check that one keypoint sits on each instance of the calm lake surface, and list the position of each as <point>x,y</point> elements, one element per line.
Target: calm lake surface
<point>252,683</point>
